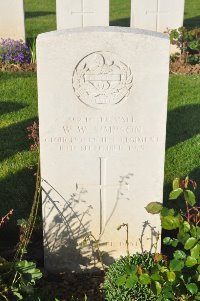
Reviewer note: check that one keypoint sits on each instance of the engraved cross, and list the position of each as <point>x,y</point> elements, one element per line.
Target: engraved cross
<point>102,186</point>
<point>82,12</point>
<point>158,12</point>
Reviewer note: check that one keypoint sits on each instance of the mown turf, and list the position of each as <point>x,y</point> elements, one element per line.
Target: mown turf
<point>192,13</point>
<point>18,109</point>
<point>183,128</point>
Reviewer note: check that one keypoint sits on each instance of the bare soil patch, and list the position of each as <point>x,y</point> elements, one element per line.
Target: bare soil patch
<point>180,67</point>
<point>18,68</point>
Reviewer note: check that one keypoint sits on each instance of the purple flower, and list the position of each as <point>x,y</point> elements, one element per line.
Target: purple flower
<point>14,52</point>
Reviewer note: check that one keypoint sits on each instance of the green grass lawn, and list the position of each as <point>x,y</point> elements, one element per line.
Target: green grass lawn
<point>18,109</point>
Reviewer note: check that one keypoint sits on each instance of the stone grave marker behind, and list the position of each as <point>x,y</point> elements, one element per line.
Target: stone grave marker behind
<point>81,13</point>
<point>102,109</point>
<point>157,15</point>
<point>12,19</point>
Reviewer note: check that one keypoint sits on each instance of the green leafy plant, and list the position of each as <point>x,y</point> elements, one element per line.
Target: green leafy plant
<point>32,47</point>
<point>188,41</point>
<point>122,279</point>
<point>180,278</point>
<point>17,279</point>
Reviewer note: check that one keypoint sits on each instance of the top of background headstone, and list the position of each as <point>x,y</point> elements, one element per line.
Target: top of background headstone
<point>109,29</point>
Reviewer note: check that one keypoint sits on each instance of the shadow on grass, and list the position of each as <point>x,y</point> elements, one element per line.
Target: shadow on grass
<point>16,192</point>
<point>35,14</point>
<point>182,124</point>
<point>121,22</point>
<point>14,139</point>
<point>10,106</point>
<point>192,22</point>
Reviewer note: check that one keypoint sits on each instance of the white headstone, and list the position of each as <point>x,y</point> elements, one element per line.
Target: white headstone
<point>157,15</point>
<point>12,19</point>
<point>102,109</point>
<point>81,13</point>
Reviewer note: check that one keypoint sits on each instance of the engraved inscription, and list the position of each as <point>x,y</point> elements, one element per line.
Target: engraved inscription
<point>102,79</point>
<point>102,134</point>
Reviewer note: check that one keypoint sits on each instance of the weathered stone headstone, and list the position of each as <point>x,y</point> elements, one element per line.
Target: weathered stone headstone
<point>157,15</point>
<point>12,19</point>
<point>81,13</point>
<point>102,110</point>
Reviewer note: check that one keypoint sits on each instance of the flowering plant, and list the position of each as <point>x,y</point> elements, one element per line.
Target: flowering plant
<point>6,217</point>
<point>14,52</point>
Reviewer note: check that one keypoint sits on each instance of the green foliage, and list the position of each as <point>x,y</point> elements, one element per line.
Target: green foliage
<point>163,279</point>
<point>180,276</point>
<point>123,281</point>
<point>17,279</point>
<point>188,41</point>
<point>32,46</point>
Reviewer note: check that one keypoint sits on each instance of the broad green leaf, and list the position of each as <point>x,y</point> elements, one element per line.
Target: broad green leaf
<point>158,287</point>
<point>167,241</point>
<point>190,261</point>
<point>165,211</point>
<point>190,197</point>
<point>133,268</point>
<point>174,194</point>
<point>175,243</point>
<point>154,207</point>
<point>156,277</point>
<point>183,237</point>
<point>164,269</point>
<point>179,254</point>
<point>195,251</point>
<point>190,243</point>
<point>131,281</point>
<point>170,222</point>
<point>192,288</point>
<point>198,232</point>
<point>198,268</point>
<point>121,280</point>
<point>176,183</point>
<point>176,265</point>
<point>186,226</point>
<point>145,279</point>
<point>171,276</point>
<point>193,231</point>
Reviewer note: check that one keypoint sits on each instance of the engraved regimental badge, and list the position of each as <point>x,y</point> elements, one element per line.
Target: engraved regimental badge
<point>101,79</point>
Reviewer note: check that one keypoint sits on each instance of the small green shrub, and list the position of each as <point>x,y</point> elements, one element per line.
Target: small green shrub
<point>180,278</point>
<point>176,279</point>
<point>188,41</point>
<point>115,292</point>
